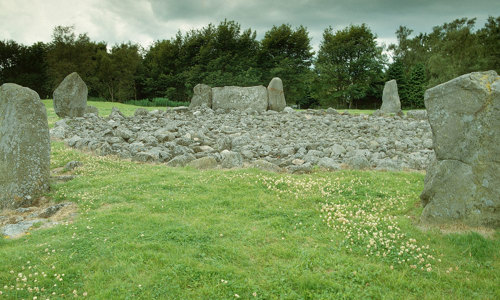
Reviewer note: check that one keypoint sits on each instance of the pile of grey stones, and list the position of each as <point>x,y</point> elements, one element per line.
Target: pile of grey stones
<point>291,141</point>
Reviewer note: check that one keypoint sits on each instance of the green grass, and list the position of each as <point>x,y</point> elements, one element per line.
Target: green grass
<point>104,109</point>
<point>149,231</point>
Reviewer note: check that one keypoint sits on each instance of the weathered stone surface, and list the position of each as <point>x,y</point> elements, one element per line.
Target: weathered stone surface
<point>417,114</point>
<point>240,98</point>
<point>202,95</point>
<point>92,110</point>
<point>390,98</point>
<point>266,166</point>
<point>230,159</point>
<point>16,230</point>
<point>24,146</point>
<point>70,97</point>
<point>276,95</point>
<point>463,184</point>
<point>203,163</point>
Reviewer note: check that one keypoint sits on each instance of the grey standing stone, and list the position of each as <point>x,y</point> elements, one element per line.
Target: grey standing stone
<point>276,95</point>
<point>24,146</point>
<point>390,98</point>
<point>463,183</point>
<point>202,94</point>
<point>240,98</point>
<point>70,97</point>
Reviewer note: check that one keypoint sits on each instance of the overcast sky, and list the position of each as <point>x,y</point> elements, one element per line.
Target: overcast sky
<point>145,21</point>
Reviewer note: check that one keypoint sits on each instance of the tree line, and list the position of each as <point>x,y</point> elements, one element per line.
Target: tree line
<point>349,70</point>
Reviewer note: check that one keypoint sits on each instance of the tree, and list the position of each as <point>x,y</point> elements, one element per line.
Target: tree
<point>349,63</point>
<point>68,53</point>
<point>117,72</point>
<point>24,65</point>
<point>416,86</point>
<point>287,53</point>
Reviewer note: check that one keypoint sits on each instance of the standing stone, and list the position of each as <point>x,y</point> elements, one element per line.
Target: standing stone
<point>24,146</point>
<point>70,97</point>
<point>463,183</point>
<point>240,98</point>
<point>202,94</point>
<point>276,95</point>
<point>390,98</point>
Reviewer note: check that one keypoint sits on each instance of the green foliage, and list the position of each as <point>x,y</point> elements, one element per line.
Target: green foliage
<point>416,86</point>
<point>286,53</point>
<point>348,64</point>
<point>24,65</point>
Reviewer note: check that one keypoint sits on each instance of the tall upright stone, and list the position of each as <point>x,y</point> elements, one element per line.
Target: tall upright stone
<point>70,97</point>
<point>202,94</point>
<point>390,98</point>
<point>463,183</point>
<point>240,98</point>
<point>276,95</point>
<point>24,146</point>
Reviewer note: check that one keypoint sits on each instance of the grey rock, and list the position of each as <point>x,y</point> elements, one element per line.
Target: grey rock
<point>276,95</point>
<point>288,110</point>
<point>91,110</point>
<point>390,98</point>
<point>52,210</point>
<point>266,166</point>
<point>24,146</point>
<point>70,166</point>
<point>203,163</point>
<point>70,97</point>
<point>141,112</point>
<point>181,160</point>
<point>230,159</point>
<point>240,98</point>
<point>358,162</point>
<point>417,114</point>
<point>463,184</point>
<point>16,230</point>
<point>202,95</point>
<point>329,164</point>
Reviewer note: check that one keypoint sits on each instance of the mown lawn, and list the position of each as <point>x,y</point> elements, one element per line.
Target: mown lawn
<point>149,231</point>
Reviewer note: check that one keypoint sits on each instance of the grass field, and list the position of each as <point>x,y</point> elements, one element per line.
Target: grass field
<point>153,232</point>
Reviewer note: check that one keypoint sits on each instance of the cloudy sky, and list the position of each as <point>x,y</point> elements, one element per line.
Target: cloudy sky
<point>144,21</point>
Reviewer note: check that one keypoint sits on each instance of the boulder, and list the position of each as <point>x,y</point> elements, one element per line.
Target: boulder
<point>463,183</point>
<point>276,95</point>
<point>390,98</point>
<point>70,97</point>
<point>203,163</point>
<point>240,98</point>
<point>24,146</point>
<point>202,94</point>
<point>231,159</point>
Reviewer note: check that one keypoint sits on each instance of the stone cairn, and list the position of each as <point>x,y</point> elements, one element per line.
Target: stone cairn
<point>463,182</point>
<point>256,98</point>
<point>70,97</point>
<point>24,146</point>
